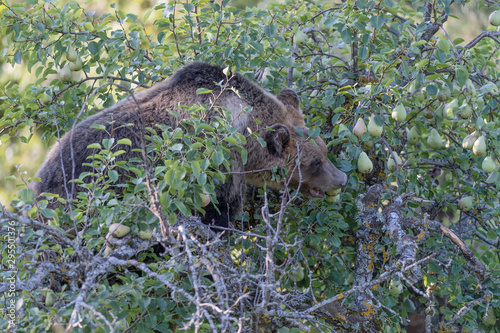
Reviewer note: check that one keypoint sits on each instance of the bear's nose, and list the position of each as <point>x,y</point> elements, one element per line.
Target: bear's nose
<point>344,178</point>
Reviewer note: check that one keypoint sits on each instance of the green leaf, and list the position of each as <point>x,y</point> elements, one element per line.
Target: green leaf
<point>94,145</point>
<point>346,35</point>
<point>218,157</point>
<point>196,168</point>
<point>26,195</point>
<point>113,175</point>
<point>189,7</point>
<point>108,143</point>
<point>420,42</point>
<point>462,75</point>
<point>244,156</point>
<point>377,21</point>
<point>257,46</point>
<point>177,147</point>
<point>93,48</point>
<point>206,127</point>
<point>335,241</point>
<point>331,21</point>
<point>261,141</point>
<point>432,267</point>
<point>17,56</point>
<point>202,91</point>
<point>431,90</point>
<point>202,179</point>
<point>408,305</point>
<point>98,126</point>
<point>492,178</point>
<point>182,208</point>
<point>231,140</point>
<point>270,30</point>
<point>315,132</point>
<point>169,176</point>
<point>422,63</point>
<point>228,51</point>
<point>132,17</point>
<point>168,12</point>
<point>124,141</point>
<point>48,213</point>
<point>491,234</point>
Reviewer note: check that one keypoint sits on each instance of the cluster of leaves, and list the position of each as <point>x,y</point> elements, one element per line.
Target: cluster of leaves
<point>348,61</point>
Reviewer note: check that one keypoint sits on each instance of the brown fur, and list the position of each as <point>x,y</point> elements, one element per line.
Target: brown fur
<point>148,108</point>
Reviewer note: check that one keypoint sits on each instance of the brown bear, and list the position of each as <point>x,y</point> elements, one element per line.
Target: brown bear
<point>274,118</point>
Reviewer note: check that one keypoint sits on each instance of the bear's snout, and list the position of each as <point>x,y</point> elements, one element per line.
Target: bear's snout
<point>331,179</point>
<point>338,178</point>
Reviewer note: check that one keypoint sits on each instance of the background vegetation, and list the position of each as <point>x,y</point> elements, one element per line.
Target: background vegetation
<point>378,259</point>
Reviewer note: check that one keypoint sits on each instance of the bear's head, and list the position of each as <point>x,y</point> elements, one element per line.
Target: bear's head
<point>288,145</point>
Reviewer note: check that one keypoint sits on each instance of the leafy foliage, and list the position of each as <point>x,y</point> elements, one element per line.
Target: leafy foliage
<point>348,61</point>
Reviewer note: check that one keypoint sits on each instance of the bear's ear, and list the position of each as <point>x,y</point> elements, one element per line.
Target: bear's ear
<point>277,137</point>
<point>289,97</point>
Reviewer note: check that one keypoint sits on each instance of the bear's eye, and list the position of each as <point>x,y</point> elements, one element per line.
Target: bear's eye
<point>315,166</point>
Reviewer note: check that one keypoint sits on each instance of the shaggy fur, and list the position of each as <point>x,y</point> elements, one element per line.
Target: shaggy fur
<point>146,109</point>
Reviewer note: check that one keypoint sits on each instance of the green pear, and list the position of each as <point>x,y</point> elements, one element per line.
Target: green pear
<point>488,164</point>
<point>479,147</point>
<point>46,99</point>
<point>448,109</point>
<point>108,250</point>
<point>333,193</point>
<point>296,75</point>
<point>322,26</point>
<point>395,287</point>
<point>413,136</point>
<point>374,129</point>
<point>399,113</point>
<point>368,144</point>
<point>479,104</point>
<point>333,199</point>
<point>465,203</point>
<point>434,140</point>
<point>465,110</point>
<point>364,164</point>
<point>468,141</point>
<point>71,55</point>
<point>470,87</point>
<point>205,199</point>
<point>124,85</point>
<point>300,38</point>
<point>118,230</point>
<point>444,94</point>
<point>299,273</point>
<point>50,298</point>
<point>77,65</point>
<point>495,18</point>
<point>57,328</point>
<point>145,234</point>
<point>65,74</point>
<point>360,128</point>
<point>419,96</point>
<point>391,164</point>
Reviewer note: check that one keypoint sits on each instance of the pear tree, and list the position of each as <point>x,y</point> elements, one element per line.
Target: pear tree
<point>408,107</point>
